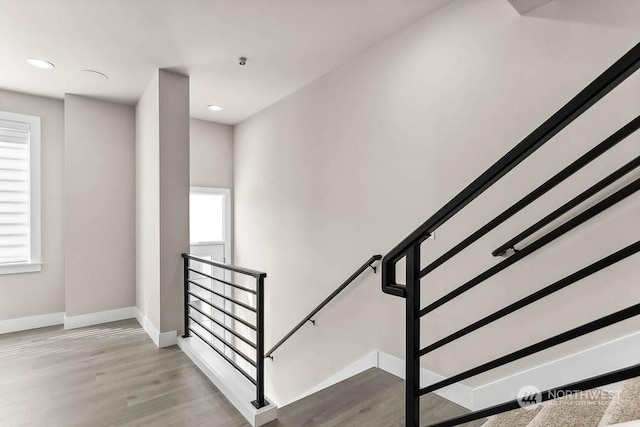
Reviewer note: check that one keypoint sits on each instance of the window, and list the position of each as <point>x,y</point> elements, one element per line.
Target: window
<point>210,223</point>
<point>207,215</point>
<point>19,193</point>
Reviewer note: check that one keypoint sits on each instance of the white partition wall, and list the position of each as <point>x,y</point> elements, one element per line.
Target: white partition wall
<point>162,201</point>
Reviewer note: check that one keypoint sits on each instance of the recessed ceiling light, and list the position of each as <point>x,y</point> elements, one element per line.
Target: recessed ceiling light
<point>214,107</point>
<point>40,63</point>
<point>97,74</point>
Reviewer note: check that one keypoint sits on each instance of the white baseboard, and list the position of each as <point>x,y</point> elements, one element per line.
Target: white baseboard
<point>167,339</point>
<point>31,322</point>
<point>160,339</point>
<point>617,354</point>
<point>367,362</point>
<point>604,358</point>
<point>457,393</point>
<point>236,388</point>
<point>72,322</point>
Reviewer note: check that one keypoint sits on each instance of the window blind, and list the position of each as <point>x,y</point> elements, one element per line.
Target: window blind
<point>14,192</point>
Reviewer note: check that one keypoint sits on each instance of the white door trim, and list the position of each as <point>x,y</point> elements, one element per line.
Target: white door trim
<point>228,230</point>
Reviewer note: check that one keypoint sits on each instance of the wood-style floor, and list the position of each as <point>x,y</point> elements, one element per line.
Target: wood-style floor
<point>373,398</point>
<point>107,375</point>
<point>113,375</point>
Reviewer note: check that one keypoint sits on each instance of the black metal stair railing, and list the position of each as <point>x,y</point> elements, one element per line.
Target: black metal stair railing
<point>410,250</point>
<point>257,312</point>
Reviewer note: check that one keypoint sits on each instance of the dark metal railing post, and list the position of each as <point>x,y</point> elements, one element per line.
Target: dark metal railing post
<point>260,402</point>
<point>412,382</point>
<point>185,275</point>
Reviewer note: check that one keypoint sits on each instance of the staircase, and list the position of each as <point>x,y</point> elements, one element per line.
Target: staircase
<point>594,408</point>
<point>228,317</point>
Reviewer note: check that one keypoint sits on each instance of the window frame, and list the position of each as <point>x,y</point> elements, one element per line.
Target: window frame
<point>35,196</point>
<point>228,230</point>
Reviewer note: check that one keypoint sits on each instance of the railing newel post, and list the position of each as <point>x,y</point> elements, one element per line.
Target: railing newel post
<point>412,382</point>
<point>185,273</point>
<point>260,401</point>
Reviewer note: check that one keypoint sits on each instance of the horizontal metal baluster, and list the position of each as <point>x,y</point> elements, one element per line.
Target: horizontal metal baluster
<point>587,328</point>
<point>544,240</point>
<point>545,292</point>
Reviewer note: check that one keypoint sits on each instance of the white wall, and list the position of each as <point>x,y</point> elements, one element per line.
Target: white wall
<point>351,164</point>
<point>211,159</point>
<point>39,293</point>
<point>100,205</point>
<point>174,195</point>
<point>148,203</point>
<point>162,198</point>
<point>102,218</point>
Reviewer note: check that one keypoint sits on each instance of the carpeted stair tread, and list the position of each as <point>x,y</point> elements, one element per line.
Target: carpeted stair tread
<point>625,406</point>
<point>517,418</point>
<point>579,410</point>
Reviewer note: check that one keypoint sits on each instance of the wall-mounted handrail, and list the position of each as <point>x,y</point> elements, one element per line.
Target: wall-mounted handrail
<point>585,195</point>
<point>310,316</point>
<point>201,330</point>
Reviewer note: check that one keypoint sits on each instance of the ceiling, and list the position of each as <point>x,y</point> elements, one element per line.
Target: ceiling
<point>288,43</point>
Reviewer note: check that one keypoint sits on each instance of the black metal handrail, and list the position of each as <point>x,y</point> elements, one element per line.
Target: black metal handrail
<point>256,362</point>
<point>246,271</point>
<point>576,201</point>
<point>310,316</point>
<point>410,249</point>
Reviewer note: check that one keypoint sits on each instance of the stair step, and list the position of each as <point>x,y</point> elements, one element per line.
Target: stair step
<point>625,406</point>
<point>629,424</point>
<point>517,418</point>
<point>579,410</point>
